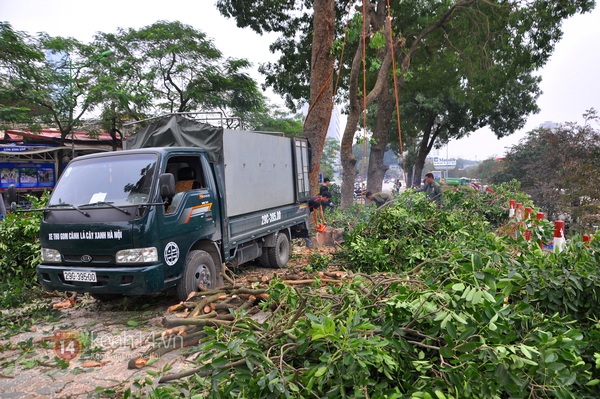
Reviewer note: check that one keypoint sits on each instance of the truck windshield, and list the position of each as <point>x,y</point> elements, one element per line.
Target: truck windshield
<point>123,179</point>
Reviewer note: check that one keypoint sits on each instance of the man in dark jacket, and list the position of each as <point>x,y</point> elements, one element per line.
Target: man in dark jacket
<point>325,188</point>
<point>432,188</point>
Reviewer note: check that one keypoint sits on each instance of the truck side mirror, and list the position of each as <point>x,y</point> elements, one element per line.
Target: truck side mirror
<point>166,184</point>
<point>12,197</point>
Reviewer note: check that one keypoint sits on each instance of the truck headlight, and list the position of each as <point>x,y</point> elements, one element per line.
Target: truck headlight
<point>51,255</point>
<point>137,255</point>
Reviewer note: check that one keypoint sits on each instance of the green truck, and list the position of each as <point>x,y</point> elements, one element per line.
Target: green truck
<point>181,200</point>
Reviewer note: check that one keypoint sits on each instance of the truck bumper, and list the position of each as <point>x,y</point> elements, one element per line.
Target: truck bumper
<point>141,280</point>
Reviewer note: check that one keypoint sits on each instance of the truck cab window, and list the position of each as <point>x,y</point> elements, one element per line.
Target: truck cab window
<point>188,176</point>
<point>186,180</point>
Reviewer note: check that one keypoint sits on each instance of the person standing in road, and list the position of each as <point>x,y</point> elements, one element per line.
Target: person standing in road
<point>379,198</point>
<point>432,188</point>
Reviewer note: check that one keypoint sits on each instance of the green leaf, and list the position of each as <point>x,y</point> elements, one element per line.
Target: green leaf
<point>450,328</point>
<point>439,394</point>
<point>458,287</point>
<point>470,296</point>
<point>459,318</point>
<point>441,315</point>
<point>476,262</point>
<point>320,371</point>
<point>293,387</point>
<point>550,357</point>
<point>446,352</point>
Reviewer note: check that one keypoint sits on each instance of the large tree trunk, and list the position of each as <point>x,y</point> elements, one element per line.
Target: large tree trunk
<point>377,169</point>
<point>409,176</point>
<point>349,170</point>
<point>321,84</point>
<point>430,134</point>
<point>356,104</point>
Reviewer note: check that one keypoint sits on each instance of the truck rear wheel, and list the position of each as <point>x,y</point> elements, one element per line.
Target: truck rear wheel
<point>280,253</point>
<point>199,270</point>
<point>264,258</point>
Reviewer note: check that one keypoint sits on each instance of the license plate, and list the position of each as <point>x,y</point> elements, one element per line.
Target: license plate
<point>80,276</point>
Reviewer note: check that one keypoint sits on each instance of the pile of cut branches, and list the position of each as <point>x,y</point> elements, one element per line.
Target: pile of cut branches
<point>220,308</point>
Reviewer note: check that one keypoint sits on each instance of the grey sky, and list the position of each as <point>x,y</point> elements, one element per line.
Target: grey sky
<point>571,83</point>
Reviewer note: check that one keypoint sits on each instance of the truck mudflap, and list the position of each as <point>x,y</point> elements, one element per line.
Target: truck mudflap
<point>123,280</point>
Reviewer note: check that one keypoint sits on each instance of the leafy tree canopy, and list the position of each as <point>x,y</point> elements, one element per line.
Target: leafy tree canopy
<point>181,70</point>
<point>559,169</point>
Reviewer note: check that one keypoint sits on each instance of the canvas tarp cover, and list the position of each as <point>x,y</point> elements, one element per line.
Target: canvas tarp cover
<point>177,131</point>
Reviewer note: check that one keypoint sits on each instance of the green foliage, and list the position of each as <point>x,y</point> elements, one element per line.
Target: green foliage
<point>554,166</point>
<point>353,215</point>
<point>269,119</point>
<point>19,253</point>
<point>163,67</point>
<point>318,262</point>
<point>173,67</point>
<point>460,312</point>
<point>412,230</point>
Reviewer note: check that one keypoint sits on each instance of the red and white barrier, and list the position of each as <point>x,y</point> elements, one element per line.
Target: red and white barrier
<point>559,235</point>
<point>516,210</point>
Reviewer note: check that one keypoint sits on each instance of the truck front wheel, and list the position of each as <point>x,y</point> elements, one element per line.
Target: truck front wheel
<point>199,270</point>
<point>280,253</point>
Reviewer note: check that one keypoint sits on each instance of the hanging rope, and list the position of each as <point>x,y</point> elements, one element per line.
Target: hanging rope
<point>389,18</point>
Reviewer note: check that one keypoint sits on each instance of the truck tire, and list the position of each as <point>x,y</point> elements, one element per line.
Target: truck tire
<point>199,270</point>
<point>280,253</point>
<point>264,258</point>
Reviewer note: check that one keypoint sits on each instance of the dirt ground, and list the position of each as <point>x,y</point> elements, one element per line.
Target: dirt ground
<point>84,350</point>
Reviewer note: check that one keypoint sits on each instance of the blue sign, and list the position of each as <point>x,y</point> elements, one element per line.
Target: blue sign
<point>27,175</point>
<point>21,148</point>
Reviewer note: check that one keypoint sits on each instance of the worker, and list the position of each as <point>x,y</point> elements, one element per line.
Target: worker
<point>317,202</point>
<point>325,188</point>
<point>325,185</point>
<point>432,188</point>
<point>379,198</point>
<point>316,210</point>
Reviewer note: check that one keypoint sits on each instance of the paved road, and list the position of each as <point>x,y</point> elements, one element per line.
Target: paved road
<point>115,333</point>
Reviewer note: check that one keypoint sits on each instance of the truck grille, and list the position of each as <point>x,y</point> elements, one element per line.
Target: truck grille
<point>96,259</point>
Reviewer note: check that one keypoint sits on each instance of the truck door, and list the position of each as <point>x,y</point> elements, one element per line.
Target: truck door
<point>192,214</point>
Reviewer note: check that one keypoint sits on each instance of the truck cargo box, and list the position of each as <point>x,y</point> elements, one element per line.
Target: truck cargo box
<point>261,170</point>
